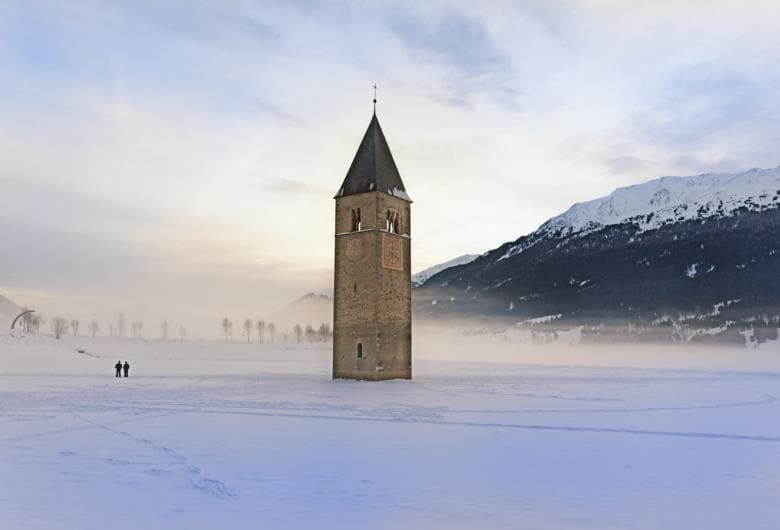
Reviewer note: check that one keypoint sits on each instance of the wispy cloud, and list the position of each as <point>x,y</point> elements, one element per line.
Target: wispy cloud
<point>462,47</point>
<point>700,102</point>
<point>275,111</point>
<point>285,186</point>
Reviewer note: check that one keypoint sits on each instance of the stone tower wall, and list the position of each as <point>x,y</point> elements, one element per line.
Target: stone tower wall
<point>372,290</point>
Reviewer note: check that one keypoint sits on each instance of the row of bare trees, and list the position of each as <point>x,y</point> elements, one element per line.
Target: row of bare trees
<point>261,326</point>
<point>249,326</point>
<point>322,334</point>
<point>60,325</point>
<point>31,322</point>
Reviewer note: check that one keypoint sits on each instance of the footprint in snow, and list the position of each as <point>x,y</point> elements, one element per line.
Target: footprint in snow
<point>118,462</point>
<point>158,472</point>
<point>213,488</point>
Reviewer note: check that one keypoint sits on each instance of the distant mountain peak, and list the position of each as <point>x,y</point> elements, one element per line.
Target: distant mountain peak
<point>672,199</point>
<point>423,276</point>
<point>663,201</point>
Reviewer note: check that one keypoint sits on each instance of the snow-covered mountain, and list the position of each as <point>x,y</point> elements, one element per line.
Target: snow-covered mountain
<point>669,200</point>
<point>423,276</point>
<point>673,199</point>
<point>705,247</point>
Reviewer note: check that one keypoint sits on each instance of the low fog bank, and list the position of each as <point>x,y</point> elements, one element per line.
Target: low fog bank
<point>479,341</point>
<point>438,348</point>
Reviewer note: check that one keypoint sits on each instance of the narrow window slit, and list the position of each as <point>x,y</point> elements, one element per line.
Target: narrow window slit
<point>356,222</point>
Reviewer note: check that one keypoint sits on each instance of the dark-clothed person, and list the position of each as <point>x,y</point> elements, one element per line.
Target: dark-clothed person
<point>126,367</point>
<point>118,367</point>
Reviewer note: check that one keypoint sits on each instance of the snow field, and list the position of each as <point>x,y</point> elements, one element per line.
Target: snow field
<point>215,435</point>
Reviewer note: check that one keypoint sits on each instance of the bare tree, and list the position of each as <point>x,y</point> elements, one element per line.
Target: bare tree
<point>164,329</point>
<point>120,325</point>
<point>298,330</point>
<point>111,329</point>
<point>94,327</point>
<point>324,331</point>
<point>260,329</point>
<point>37,322</point>
<point>310,334</point>
<point>248,328</point>
<point>140,326</point>
<point>26,319</point>
<point>134,329</point>
<point>226,325</point>
<point>74,325</point>
<point>271,330</point>
<point>182,332</point>
<point>31,322</point>
<point>59,325</point>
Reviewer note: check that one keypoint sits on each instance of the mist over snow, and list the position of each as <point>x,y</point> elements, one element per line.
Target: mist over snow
<point>492,431</point>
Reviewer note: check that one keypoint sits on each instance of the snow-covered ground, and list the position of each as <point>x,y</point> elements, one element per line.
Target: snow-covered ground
<point>215,435</point>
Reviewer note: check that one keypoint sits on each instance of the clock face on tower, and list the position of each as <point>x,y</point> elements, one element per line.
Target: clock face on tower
<point>354,249</point>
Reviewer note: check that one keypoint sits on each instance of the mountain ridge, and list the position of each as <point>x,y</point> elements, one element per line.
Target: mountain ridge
<point>424,275</point>
<point>629,257</point>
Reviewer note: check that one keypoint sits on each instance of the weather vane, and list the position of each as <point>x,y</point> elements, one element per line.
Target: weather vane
<point>374,98</point>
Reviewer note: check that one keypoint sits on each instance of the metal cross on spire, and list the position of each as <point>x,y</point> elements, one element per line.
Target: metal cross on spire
<point>374,98</point>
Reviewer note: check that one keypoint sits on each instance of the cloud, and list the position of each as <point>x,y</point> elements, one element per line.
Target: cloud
<point>275,111</point>
<point>626,164</point>
<point>49,204</point>
<point>462,47</point>
<point>195,281</point>
<point>287,186</point>
<point>699,103</point>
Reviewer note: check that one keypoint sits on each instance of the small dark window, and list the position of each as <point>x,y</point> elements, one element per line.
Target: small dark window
<point>360,350</point>
<point>354,288</point>
<point>356,223</point>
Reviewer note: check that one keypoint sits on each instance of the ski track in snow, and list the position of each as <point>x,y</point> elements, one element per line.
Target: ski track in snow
<point>392,412</point>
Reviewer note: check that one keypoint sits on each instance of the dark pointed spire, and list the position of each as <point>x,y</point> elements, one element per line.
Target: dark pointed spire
<point>373,168</point>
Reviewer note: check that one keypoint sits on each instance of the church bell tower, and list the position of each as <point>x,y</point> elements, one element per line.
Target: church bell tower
<point>372,305</point>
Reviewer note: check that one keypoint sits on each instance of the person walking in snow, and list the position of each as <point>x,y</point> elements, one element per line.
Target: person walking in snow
<point>118,367</point>
<point>126,367</point>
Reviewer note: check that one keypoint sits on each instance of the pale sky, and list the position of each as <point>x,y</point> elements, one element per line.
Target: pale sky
<point>178,159</point>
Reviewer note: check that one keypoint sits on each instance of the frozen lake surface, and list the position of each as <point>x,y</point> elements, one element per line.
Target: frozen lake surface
<point>215,435</point>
